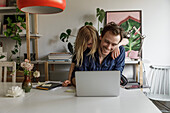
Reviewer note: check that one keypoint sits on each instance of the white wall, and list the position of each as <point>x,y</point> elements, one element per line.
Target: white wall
<point>156,22</point>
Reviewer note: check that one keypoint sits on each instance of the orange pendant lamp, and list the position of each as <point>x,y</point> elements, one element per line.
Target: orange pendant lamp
<point>41,6</point>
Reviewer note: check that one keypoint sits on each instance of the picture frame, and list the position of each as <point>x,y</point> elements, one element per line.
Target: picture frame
<point>131,22</point>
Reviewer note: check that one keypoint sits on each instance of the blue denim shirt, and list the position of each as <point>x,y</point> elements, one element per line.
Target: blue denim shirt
<point>93,64</point>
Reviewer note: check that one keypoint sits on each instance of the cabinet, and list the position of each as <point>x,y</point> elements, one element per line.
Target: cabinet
<point>34,36</point>
<point>138,70</point>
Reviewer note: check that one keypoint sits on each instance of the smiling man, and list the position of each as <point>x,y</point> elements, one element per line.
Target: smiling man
<point>110,38</point>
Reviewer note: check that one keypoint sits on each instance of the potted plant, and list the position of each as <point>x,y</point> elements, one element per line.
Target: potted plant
<point>13,31</point>
<point>100,17</point>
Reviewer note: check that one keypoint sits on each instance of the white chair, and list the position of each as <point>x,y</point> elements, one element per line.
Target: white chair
<point>159,82</point>
<point>5,65</point>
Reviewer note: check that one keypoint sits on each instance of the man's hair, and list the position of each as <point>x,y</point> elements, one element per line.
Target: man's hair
<point>114,29</point>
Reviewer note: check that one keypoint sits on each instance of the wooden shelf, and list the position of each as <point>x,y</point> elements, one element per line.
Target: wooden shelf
<point>8,10</point>
<point>24,35</point>
<point>131,62</point>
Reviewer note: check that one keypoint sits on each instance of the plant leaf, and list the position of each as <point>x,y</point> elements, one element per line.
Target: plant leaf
<point>63,36</point>
<point>2,56</point>
<point>13,52</point>
<point>68,31</point>
<point>20,19</point>
<point>16,50</point>
<point>70,47</point>
<point>91,23</point>
<point>23,25</point>
<point>16,46</point>
<point>86,23</point>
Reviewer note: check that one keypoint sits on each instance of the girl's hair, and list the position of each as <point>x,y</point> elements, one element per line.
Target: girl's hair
<point>85,33</point>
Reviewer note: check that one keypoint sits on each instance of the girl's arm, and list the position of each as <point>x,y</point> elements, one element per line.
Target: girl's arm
<point>116,51</point>
<point>67,82</point>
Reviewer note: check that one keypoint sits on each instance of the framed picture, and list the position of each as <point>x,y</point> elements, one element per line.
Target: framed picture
<point>131,22</point>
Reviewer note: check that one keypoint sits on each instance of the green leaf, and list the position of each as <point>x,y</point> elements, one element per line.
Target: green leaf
<point>13,52</point>
<point>88,23</point>
<point>6,34</point>
<point>63,36</point>
<point>13,25</point>
<point>20,19</point>
<point>18,10</point>
<point>68,31</point>
<point>9,20</point>
<point>23,25</point>
<point>16,50</point>
<point>97,10</point>
<point>2,56</point>
<point>15,38</point>
<point>70,47</point>
<point>101,15</point>
<point>19,43</point>
<point>91,23</point>
<point>101,29</point>
<point>16,46</point>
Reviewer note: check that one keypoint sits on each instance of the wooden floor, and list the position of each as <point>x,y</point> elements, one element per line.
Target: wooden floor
<point>163,106</point>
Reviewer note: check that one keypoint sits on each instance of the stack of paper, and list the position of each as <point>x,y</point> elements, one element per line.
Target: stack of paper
<point>66,57</point>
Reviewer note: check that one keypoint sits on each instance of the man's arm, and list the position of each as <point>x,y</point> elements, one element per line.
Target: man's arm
<point>120,60</point>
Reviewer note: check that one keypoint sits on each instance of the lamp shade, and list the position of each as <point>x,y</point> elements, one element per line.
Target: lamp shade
<point>41,6</point>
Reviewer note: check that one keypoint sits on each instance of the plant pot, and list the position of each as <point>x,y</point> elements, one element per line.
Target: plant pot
<point>26,84</point>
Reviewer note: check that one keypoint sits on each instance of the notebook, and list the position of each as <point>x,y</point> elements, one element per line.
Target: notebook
<point>49,86</point>
<point>97,83</point>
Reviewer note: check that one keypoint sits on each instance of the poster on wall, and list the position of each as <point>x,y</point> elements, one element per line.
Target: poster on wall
<point>131,22</point>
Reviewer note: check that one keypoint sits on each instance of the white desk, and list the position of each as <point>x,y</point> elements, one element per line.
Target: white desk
<point>58,101</point>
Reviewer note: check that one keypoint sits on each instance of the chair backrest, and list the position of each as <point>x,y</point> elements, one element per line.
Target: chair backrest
<point>5,65</point>
<point>159,82</point>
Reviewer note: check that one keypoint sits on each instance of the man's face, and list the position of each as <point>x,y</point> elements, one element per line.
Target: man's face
<point>108,42</point>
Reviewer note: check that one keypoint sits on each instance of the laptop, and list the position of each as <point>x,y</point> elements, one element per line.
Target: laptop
<point>97,83</point>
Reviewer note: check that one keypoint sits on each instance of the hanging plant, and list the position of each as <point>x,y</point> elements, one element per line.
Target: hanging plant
<point>100,17</point>
<point>13,31</point>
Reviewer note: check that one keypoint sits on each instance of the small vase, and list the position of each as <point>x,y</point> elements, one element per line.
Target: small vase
<point>26,84</point>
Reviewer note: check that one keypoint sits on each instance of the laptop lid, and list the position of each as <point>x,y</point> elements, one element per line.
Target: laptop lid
<point>97,83</point>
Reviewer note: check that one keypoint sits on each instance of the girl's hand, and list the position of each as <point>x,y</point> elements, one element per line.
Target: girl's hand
<point>116,52</point>
<point>66,83</point>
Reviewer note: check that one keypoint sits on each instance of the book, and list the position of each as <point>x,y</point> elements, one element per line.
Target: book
<point>133,85</point>
<point>59,60</point>
<point>49,86</point>
<point>59,56</point>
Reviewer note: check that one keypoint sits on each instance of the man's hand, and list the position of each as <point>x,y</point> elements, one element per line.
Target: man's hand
<point>116,52</point>
<point>66,83</point>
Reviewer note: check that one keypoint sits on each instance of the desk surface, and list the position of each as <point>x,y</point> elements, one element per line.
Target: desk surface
<point>59,101</point>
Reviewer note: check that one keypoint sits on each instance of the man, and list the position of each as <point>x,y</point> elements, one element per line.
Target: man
<point>111,36</point>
